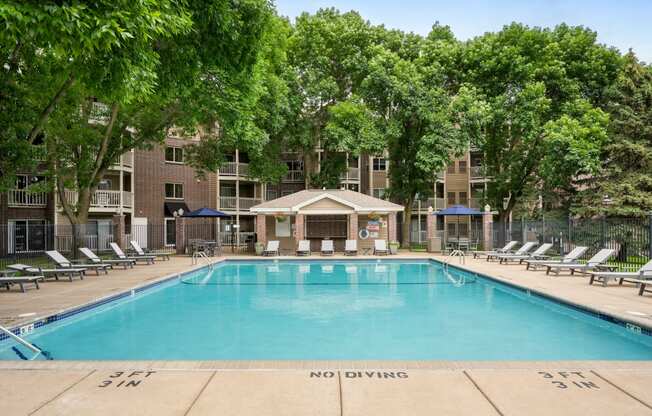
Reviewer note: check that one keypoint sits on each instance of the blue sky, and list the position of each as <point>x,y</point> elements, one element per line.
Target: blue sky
<point>621,23</point>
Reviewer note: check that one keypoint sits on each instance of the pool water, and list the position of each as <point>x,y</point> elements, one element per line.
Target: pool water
<point>314,310</point>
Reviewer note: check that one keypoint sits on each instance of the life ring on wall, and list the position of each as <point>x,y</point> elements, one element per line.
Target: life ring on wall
<point>363,234</point>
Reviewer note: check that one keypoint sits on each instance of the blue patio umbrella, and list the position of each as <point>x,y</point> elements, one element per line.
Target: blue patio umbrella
<point>458,211</point>
<point>206,213</point>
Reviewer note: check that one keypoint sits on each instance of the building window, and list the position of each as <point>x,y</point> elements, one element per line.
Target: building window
<point>174,154</point>
<point>25,181</point>
<point>461,167</point>
<point>379,164</point>
<point>451,168</point>
<point>379,193</point>
<point>170,231</point>
<point>174,190</point>
<point>294,165</point>
<point>27,235</point>
<point>451,198</point>
<point>464,200</point>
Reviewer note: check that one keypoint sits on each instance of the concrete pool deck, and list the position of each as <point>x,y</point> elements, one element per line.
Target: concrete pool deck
<point>325,388</point>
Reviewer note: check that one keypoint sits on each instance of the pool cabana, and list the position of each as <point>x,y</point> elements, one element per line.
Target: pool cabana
<point>316,215</point>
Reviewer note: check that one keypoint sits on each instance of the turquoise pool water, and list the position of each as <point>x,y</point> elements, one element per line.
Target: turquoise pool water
<point>317,310</point>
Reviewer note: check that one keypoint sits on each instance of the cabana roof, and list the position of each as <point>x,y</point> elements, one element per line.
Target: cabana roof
<point>325,202</point>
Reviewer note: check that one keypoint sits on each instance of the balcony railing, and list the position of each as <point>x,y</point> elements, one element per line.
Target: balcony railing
<point>24,198</point>
<point>231,168</point>
<point>351,174</point>
<point>294,176</point>
<point>103,199</point>
<point>127,160</point>
<point>435,203</point>
<point>231,202</point>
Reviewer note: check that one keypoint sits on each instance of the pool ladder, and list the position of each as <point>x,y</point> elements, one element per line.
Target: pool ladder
<point>21,341</point>
<point>198,256</point>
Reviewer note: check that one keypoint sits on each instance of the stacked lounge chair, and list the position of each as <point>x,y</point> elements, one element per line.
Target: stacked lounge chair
<point>569,258</point>
<point>139,250</point>
<point>539,253</point>
<point>304,248</point>
<point>380,247</point>
<point>95,259</point>
<point>524,249</point>
<point>119,254</point>
<point>642,276</point>
<point>351,247</point>
<point>272,248</point>
<point>64,263</point>
<point>594,263</point>
<point>71,272</point>
<point>505,250</point>
<point>327,248</point>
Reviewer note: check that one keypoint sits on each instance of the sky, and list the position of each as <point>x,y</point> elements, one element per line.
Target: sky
<point>624,24</point>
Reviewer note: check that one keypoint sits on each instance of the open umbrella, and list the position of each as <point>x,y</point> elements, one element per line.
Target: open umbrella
<point>458,211</point>
<point>208,213</point>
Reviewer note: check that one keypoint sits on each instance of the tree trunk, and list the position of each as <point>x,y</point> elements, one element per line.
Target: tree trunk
<point>407,222</point>
<point>45,114</point>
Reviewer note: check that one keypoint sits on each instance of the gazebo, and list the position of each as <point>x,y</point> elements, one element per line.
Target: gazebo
<point>335,214</point>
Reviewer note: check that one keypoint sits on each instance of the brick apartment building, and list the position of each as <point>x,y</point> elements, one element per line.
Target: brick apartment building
<point>147,189</point>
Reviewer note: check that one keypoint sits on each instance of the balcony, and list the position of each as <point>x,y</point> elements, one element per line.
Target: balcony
<point>294,176</point>
<point>104,200</point>
<point>230,203</point>
<point>126,161</point>
<point>233,168</point>
<point>22,198</point>
<point>435,203</point>
<point>351,174</point>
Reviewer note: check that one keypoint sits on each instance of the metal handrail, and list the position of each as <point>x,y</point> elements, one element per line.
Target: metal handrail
<point>20,340</point>
<point>197,255</point>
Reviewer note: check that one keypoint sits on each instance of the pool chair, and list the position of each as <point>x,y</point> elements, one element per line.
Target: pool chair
<point>507,249</point>
<point>93,258</point>
<point>272,248</point>
<point>64,263</point>
<point>523,250</point>
<point>596,262</point>
<point>571,257</point>
<point>642,275</point>
<point>8,281</point>
<point>304,248</point>
<point>539,253</point>
<point>119,254</point>
<point>351,247</point>
<point>70,272</point>
<point>380,247</point>
<point>141,252</point>
<point>327,248</point>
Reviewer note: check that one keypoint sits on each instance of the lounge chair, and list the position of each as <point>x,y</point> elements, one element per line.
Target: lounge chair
<point>380,247</point>
<point>351,247</point>
<point>122,256</point>
<point>571,257</point>
<point>95,259</point>
<point>524,249</point>
<point>8,281</point>
<point>507,249</point>
<point>539,253</point>
<point>272,248</point>
<point>643,274</point>
<point>594,263</point>
<point>64,263</point>
<point>304,248</point>
<point>141,252</point>
<point>327,248</point>
<point>49,273</point>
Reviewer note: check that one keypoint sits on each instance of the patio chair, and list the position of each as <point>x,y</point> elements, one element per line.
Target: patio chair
<point>539,253</point>
<point>272,248</point>
<point>327,248</point>
<point>95,259</point>
<point>64,263</point>
<point>22,281</point>
<point>643,274</point>
<point>380,247</point>
<point>571,257</point>
<point>141,252</point>
<point>122,256</point>
<point>594,263</point>
<point>351,247</point>
<point>71,272</point>
<point>304,248</point>
<point>506,249</point>
<point>524,249</point>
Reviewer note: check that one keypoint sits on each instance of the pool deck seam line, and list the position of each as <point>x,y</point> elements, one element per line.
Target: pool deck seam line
<point>62,392</point>
<point>201,391</point>
<point>482,392</point>
<point>621,389</point>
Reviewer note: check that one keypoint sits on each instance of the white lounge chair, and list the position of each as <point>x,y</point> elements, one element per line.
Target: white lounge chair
<point>351,247</point>
<point>71,272</point>
<point>506,249</point>
<point>141,252</point>
<point>272,248</point>
<point>304,248</point>
<point>122,256</point>
<point>380,247</point>
<point>643,274</point>
<point>539,253</point>
<point>524,249</point>
<point>7,281</point>
<point>95,259</point>
<point>594,263</point>
<point>571,257</point>
<point>64,263</point>
<point>327,248</point>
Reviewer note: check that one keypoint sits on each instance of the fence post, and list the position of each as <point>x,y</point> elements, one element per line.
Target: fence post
<point>569,240</point>
<point>523,232</point>
<point>603,223</point>
<point>649,224</point>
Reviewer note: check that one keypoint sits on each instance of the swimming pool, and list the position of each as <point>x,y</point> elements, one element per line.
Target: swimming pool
<point>332,309</point>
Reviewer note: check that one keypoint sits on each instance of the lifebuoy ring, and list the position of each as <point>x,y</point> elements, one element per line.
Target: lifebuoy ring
<point>363,234</point>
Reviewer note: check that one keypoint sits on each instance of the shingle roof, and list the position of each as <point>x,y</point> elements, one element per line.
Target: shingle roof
<point>357,201</point>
